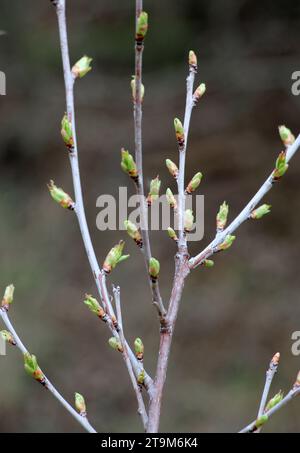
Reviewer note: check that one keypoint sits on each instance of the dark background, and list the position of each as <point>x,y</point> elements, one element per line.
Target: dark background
<point>234,317</point>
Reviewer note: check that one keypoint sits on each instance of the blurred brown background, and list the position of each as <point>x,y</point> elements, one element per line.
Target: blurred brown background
<point>234,317</point>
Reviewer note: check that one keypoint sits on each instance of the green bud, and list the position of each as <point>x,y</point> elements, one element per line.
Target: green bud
<point>8,297</point>
<point>114,257</point>
<point>261,421</point>
<point>66,132</point>
<point>95,307</point>
<point>133,232</point>
<point>115,344</point>
<point>154,268</point>
<point>171,199</point>
<point>222,216</point>
<point>32,368</point>
<point>228,241</point>
<point>188,220</point>
<point>274,401</point>
<point>173,169</point>
<point>7,336</point>
<point>154,190</point>
<point>258,213</point>
<point>60,196</point>
<point>172,234</point>
<point>139,348</point>
<point>141,377</point>
<point>199,92</point>
<point>82,67</point>
<point>281,166</point>
<point>194,183</point>
<point>141,26</point>
<point>192,59</point>
<point>80,404</point>
<point>133,89</point>
<point>286,136</point>
<point>208,263</point>
<point>179,131</point>
<point>128,164</point>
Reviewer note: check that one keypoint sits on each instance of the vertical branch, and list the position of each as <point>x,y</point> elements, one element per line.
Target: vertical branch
<point>138,114</point>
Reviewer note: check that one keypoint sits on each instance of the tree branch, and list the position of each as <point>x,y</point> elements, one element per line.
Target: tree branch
<point>47,384</point>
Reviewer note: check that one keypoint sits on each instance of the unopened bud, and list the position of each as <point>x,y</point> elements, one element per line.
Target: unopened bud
<point>32,368</point>
<point>139,349</point>
<point>281,166</point>
<point>8,297</point>
<point>141,26</point>
<point>173,169</point>
<point>95,307</point>
<point>297,382</point>
<point>228,241</point>
<point>141,377</point>
<point>133,89</point>
<point>258,213</point>
<point>134,232</point>
<point>199,92</point>
<point>172,234</point>
<point>114,257</point>
<point>188,220</point>
<point>208,263</point>
<point>274,401</point>
<point>194,183</point>
<point>67,133</point>
<point>115,344</point>
<point>286,136</point>
<point>222,216</point>
<point>275,359</point>
<point>179,131</point>
<point>60,196</point>
<point>82,67</point>
<point>192,59</point>
<point>8,337</point>
<point>261,421</point>
<point>128,164</point>
<point>154,268</point>
<point>154,190</point>
<point>171,199</point>
<point>80,404</point>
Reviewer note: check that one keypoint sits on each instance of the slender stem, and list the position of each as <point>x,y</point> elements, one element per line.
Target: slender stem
<point>244,214</point>
<point>138,114</point>
<point>292,393</point>
<point>99,276</point>
<point>141,406</point>
<point>47,384</point>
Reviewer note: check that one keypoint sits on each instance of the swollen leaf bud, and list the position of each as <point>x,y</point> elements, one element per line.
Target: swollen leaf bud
<point>154,190</point>
<point>258,213</point>
<point>128,164</point>
<point>60,196</point>
<point>192,60</point>
<point>141,26</point>
<point>222,216</point>
<point>114,257</point>
<point>173,169</point>
<point>8,337</point>
<point>8,297</point>
<point>154,268</point>
<point>194,183</point>
<point>286,136</point>
<point>32,368</point>
<point>134,232</point>
<point>95,307</point>
<point>139,349</point>
<point>171,199</point>
<point>261,421</point>
<point>82,67</point>
<point>188,220</point>
<point>199,92</point>
<point>80,404</point>
<point>228,241</point>
<point>67,133</point>
<point>172,234</point>
<point>141,377</point>
<point>281,166</point>
<point>208,263</point>
<point>274,401</point>
<point>115,344</point>
<point>179,131</point>
<point>297,382</point>
<point>133,89</point>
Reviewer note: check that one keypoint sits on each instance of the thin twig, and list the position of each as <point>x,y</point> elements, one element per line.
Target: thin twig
<point>141,405</point>
<point>138,113</point>
<point>244,214</point>
<point>47,384</point>
<point>99,276</point>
